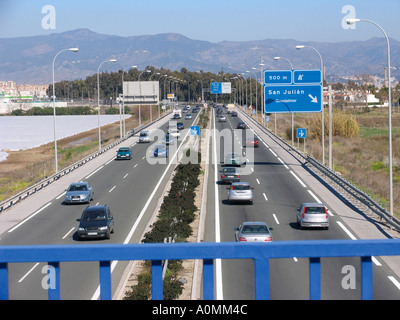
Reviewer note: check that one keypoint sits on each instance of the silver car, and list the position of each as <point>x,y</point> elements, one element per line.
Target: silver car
<point>233,159</point>
<point>240,191</point>
<point>222,118</point>
<point>79,192</point>
<point>253,232</point>
<point>313,215</point>
<point>144,136</point>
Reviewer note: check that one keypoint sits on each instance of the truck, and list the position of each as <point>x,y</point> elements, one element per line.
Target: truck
<point>230,108</point>
<point>177,114</point>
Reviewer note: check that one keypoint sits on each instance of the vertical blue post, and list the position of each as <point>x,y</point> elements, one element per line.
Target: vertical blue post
<point>366,278</point>
<point>315,279</point>
<point>208,279</point>
<point>3,281</point>
<point>105,280</point>
<point>156,280</point>
<point>261,279</point>
<point>54,280</point>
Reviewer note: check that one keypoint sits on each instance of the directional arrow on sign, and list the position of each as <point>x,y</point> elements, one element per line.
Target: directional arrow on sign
<point>313,99</point>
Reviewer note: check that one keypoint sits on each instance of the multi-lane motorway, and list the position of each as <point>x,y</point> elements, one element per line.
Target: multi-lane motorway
<point>131,188</point>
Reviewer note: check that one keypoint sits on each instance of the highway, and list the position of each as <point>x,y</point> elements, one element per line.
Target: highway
<point>278,193</point>
<point>131,188</point>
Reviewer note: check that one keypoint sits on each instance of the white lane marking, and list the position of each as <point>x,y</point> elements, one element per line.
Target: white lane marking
<point>275,217</point>
<point>112,188</point>
<point>30,217</point>
<point>93,172</point>
<point>283,163</point>
<point>125,176</point>
<point>273,153</point>
<point>258,181</point>
<point>66,235</point>
<point>314,196</point>
<point>27,274</point>
<point>395,282</point>
<point>135,165</point>
<point>346,230</point>
<point>109,161</point>
<point>265,196</point>
<point>298,179</point>
<point>61,195</point>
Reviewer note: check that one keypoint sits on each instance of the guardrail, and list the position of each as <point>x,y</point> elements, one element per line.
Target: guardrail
<point>6,204</point>
<point>346,185</point>
<point>260,253</point>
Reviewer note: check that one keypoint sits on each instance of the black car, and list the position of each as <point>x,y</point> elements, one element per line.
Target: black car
<point>180,126</point>
<point>241,125</point>
<point>234,114</point>
<point>96,222</point>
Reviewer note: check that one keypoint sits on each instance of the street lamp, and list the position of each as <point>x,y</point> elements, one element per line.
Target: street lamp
<point>123,94</point>
<point>350,22</point>
<point>299,47</point>
<point>54,107</point>
<point>278,58</point>
<point>98,97</point>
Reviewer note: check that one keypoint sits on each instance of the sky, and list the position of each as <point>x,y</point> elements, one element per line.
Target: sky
<point>210,20</point>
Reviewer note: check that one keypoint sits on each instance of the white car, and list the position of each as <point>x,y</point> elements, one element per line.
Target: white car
<point>144,136</point>
<point>174,132</point>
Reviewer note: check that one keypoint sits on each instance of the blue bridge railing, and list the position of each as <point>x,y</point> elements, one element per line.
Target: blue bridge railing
<point>261,253</point>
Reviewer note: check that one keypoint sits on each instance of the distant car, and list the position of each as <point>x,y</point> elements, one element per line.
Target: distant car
<point>176,116</point>
<point>174,132</point>
<point>241,125</point>
<point>96,222</point>
<point>144,136</point>
<point>168,139</point>
<point>188,116</point>
<point>252,142</point>
<point>233,159</point>
<point>222,118</point>
<point>253,232</point>
<point>180,126</point>
<point>234,114</point>
<point>230,174</point>
<point>240,192</point>
<point>124,153</point>
<point>79,192</point>
<point>313,215</point>
<point>161,150</point>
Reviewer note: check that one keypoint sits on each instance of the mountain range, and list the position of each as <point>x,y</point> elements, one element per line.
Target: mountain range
<point>28,60</point>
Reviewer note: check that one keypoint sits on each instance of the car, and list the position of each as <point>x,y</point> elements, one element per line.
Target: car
<point>174,132</point>
<point>79,192</point>
<point>240,192</point>
<point>230,174</point>
<point>176,116</point>
<point>222,118</point>
<point>253,231</point>
<point>96,222</point>
<point>241,125</point>
<point>313,214</point>
<point>180,126</point>
<point>124,153</point>
<point>233,159</point>
<point>234,114</point>
<point>144,136</point>
<point>168,139</point>
<point>188,116</point>
<point>161,150</point>
<point>252,142</point>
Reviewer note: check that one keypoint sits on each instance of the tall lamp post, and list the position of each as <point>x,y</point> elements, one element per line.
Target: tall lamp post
<point>350,22</point>
<point>98,97</point>
<point>54,108</point>
<point>299,47</point>
<point>123,94</point>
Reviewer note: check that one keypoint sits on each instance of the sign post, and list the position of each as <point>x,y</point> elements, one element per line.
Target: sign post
<point>301,134</point>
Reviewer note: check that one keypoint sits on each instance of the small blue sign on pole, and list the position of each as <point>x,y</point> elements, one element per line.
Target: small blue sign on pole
<point>301,133</point>
<point>195,130</point>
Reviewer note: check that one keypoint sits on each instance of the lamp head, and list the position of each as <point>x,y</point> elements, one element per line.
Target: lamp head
<point>298,47</point>
<point>352,21</point>
<point>277,58</point>
<point>74,49</point>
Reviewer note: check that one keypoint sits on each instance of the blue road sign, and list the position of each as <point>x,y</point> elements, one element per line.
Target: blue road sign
<point>302,93</point>
<point>301,133</point>
<point>195,130</point>
<point>215,87</point>
<point>272,77</point>
<point>307,76</point>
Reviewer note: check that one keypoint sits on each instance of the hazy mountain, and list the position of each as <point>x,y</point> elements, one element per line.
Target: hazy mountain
<point>29,59</point>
